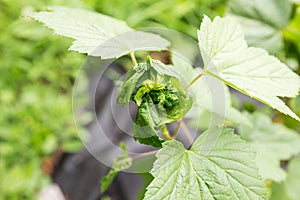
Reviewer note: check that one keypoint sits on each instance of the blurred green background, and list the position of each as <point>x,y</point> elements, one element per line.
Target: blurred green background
<point>37,74</point>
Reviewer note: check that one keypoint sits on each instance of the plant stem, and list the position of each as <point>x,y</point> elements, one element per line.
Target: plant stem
<point>149,153</point>
<point>177,129</point>
<point>193,81</point>
<point>165,132</point>
<point>187,132</point>
<point>133,59</point>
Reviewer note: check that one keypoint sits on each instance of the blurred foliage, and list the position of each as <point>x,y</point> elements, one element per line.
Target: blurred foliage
<point>181,15</point>
<point>37,74</point>
<point>288,189</point>
<point>291,35</point>
<point>262,26</point>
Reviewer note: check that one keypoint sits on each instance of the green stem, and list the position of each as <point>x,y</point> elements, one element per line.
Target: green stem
<point>193,81</point>
<point>165,132</point>
<point>133,59</point>
<point>149,153</point>
<point>177,129</point>
<point>187,132</point>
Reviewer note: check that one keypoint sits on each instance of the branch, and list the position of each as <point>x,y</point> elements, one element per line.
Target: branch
<point>133,59</point>
<point>187,132</point>
<point>177,129</point>
<point>165,132</point>
<point>140,155</point>
<point>193,81</point>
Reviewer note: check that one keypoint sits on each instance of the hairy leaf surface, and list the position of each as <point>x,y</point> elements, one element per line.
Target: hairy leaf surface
<point>97,34</point>
<point>250,70</point>
<point>228,171</point>
<point>203,108</point>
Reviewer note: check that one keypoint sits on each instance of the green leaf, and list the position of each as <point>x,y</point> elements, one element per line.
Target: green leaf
<point>105,198</point>
<point>293,179</point>
<point>163,69</point>
<point>272,142</point>
<point>134,79</point>
<point>262,27</point>
<point>125,43</point>
<point>289,189</point>
<point>146,121</point>
<point>292,31</point>
<point>203,108</point>
<point>122,162</point>
<point>142,72</point>
<point>157,106</point>
<point>279,192</point>
<point>295,104</point>
<point>249,70</point>
<point>89,29</point>
<point>227,171</point>
<point>97,34</point>
<point>159,95</point>
<point>147,86</point>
